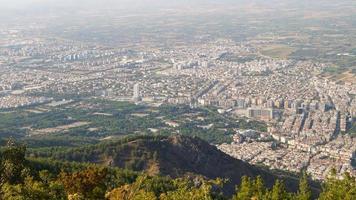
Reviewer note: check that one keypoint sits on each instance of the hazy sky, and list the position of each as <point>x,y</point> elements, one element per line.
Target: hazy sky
<point>13,5</point>
<point>36,7</point>
<point>21,4</point>
<point>56,6</point>
<point>31,3</point>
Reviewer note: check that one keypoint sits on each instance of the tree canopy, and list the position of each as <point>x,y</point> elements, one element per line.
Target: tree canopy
<point>24,179</point>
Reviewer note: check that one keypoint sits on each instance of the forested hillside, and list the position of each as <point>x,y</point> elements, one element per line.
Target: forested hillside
<point>175,156</point>
<point>37,179</point>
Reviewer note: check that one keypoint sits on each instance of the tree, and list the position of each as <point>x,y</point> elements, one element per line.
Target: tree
<point>186,190</point>
<point>32,190</point>
<point>134,191</point>
<point>245,190</point>
<point>129,192</point>
<point>13,162</point>
<point>339,189</point>
<point>304,192</point>
<point>90,183</point>
<point>160,188</point>
<point>259,189</point>
<point>279,192</point>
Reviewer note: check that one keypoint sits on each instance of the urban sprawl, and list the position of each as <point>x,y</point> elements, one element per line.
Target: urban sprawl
<point>307,114</point>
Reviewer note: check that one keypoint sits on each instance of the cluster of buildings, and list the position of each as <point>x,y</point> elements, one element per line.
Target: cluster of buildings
<point>319,162</point>
<point>14,101</point>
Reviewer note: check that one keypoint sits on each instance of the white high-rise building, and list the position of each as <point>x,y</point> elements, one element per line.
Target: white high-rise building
<point>136,92</point>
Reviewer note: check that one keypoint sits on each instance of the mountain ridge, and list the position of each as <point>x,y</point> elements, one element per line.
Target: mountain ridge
<point>173,156</point>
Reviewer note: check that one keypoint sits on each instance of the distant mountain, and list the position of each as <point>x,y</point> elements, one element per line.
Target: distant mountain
<point>175,156</point>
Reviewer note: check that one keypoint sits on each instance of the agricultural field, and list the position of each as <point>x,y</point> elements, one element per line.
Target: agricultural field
<point>278,51</point>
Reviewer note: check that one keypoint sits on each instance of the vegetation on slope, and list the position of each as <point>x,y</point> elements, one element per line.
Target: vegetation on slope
<point>23,179</point>
<point>175,156</point>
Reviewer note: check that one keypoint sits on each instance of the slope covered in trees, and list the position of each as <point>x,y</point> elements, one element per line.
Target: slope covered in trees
<point>39,179</point>
<point>175,156</point>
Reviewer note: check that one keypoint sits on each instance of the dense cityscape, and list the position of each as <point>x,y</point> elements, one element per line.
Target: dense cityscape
<point>306,112</point>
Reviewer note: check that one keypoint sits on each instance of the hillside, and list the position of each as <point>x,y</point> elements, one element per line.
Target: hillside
<point>45,179</point>
<point>175,156</point>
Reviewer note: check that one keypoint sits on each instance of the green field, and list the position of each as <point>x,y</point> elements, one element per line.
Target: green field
<point>278,51</point>
<point>92,121</point>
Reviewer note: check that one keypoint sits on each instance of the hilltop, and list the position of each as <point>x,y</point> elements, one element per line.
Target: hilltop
<point>174,156</point>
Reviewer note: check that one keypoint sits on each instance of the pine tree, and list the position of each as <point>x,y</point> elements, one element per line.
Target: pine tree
<point>279,192</point>
<point>244,191</point>
<point>259,189</point>
<point>339,189</point>
<point>304,192</point>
